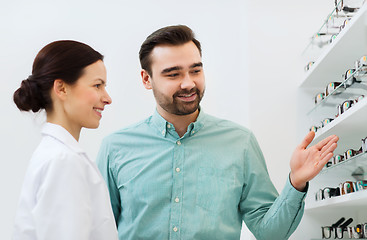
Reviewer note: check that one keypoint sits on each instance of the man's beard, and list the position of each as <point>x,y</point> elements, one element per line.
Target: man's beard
<point>176,106</point>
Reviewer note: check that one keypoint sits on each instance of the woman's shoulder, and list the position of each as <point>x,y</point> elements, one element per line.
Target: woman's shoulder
<point>51,151</point>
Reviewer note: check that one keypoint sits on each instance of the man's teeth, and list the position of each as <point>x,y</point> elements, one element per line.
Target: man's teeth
<point>98,110</point>
<point>189,95</point>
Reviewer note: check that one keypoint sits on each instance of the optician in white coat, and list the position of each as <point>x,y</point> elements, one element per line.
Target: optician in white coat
<point>64,196</point>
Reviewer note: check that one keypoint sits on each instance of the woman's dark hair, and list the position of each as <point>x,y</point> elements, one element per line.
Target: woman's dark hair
<point>171,35</point>
<point>66,60</point>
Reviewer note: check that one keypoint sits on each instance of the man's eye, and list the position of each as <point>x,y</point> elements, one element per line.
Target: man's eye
<point>172,75</point>
<point>196,71</point>
<point>97,85</point>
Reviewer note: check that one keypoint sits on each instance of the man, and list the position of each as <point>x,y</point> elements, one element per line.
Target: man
<point>183,174</point>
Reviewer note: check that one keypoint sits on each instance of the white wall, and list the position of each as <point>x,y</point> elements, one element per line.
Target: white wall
<point>116,29</point>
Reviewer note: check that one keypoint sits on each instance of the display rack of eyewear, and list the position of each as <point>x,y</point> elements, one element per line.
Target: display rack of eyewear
<point>332,57</point>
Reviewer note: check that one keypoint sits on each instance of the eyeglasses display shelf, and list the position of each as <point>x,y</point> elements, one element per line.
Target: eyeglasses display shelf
<point>336,58</point>
<point>347,47</point>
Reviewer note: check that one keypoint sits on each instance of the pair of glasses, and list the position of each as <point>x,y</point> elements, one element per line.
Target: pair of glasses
<point>326,193</point>
<point>349,77</point>
<point>339,6</point>
<point>362,62</point>
<point>308,66</point>
<point>358,231</point>
<point>326,121</point>
<point>330,88</point>
<point>349,186</point>
<point>345,106</point>
<point>348,104</point>
<point>341,27</point>
<point>361,185</point>
<point>361,65</point>
<point>338,228</point>
<point>323,124</point>
<point>337,159</point>
<point>351,153</point>
<point>346,187</point>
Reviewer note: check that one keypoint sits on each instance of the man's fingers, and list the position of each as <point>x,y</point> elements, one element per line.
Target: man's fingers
<point>326,158</point>
<point>329,148</point>
<point>322,143</point>
<point>307,140</point>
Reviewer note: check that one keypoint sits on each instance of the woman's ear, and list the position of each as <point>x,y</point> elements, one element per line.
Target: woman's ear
<point>146,79</point>
<point>59,89</point>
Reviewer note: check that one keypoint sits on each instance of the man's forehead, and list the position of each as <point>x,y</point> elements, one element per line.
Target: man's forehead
<point>167,56</point>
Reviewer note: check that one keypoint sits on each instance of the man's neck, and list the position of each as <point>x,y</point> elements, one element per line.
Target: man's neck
<point>180,122</point>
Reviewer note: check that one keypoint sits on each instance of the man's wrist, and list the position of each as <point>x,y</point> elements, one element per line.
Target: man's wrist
<point>299,186</point>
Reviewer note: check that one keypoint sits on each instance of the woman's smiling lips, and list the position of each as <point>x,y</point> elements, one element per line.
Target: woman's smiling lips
<point>98,111</point>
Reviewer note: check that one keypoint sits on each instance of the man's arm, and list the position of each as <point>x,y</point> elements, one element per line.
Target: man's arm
<point>104,163</point>
<point>272,217</point>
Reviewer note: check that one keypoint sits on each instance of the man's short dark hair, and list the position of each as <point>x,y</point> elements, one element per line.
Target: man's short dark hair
<point>171,35</point>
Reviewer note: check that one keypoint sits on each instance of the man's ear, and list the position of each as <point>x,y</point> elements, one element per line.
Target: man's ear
<point>147,80</point>
<point>59,89</point>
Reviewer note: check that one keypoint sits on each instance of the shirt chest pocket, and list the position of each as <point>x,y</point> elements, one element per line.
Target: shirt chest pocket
<point>215,189</point>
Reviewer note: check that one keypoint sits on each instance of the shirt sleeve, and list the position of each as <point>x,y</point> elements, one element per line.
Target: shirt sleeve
<point>104,165</point>
<point>266,214</point>
<point>63,209</point>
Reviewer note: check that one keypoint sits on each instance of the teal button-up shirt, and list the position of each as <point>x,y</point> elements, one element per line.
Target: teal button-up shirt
<point>199,186</point>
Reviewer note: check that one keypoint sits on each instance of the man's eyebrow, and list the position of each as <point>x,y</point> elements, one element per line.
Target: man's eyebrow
<point>199,64</point>
<point>167,70</point>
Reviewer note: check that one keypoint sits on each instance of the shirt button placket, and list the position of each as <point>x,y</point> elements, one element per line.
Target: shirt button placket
<point>177,187</point>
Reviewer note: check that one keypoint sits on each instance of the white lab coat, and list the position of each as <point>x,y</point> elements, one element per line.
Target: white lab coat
<point>64,195</point>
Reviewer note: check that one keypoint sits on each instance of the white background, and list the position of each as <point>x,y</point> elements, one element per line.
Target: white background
<point>251,53</point>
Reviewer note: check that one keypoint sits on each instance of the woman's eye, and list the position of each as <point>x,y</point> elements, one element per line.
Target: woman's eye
<point>97,85</point>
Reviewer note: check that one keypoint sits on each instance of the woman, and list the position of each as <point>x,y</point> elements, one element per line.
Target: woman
<point>64,195</point>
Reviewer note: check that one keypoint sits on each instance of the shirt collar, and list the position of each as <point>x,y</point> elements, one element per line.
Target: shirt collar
<point>163,126</point>
<point>61,134</point>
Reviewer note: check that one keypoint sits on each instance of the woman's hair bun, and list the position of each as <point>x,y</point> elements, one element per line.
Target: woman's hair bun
<point>28,96</point>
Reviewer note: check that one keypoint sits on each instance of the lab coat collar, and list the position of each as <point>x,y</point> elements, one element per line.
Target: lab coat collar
<point>61,134</point>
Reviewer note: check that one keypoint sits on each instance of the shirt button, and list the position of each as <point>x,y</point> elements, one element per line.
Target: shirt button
<point>175,229</point>
<point>168,126</point>
<point>177,200</point>
<point>193,131</point>
<point>178,142</point>
<point>178,169</point>
<point>163,132</point>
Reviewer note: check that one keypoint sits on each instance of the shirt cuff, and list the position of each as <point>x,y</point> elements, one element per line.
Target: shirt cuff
<point>292,194</point>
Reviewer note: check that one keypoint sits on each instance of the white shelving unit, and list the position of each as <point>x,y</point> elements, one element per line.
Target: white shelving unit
<point>351,126</point>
